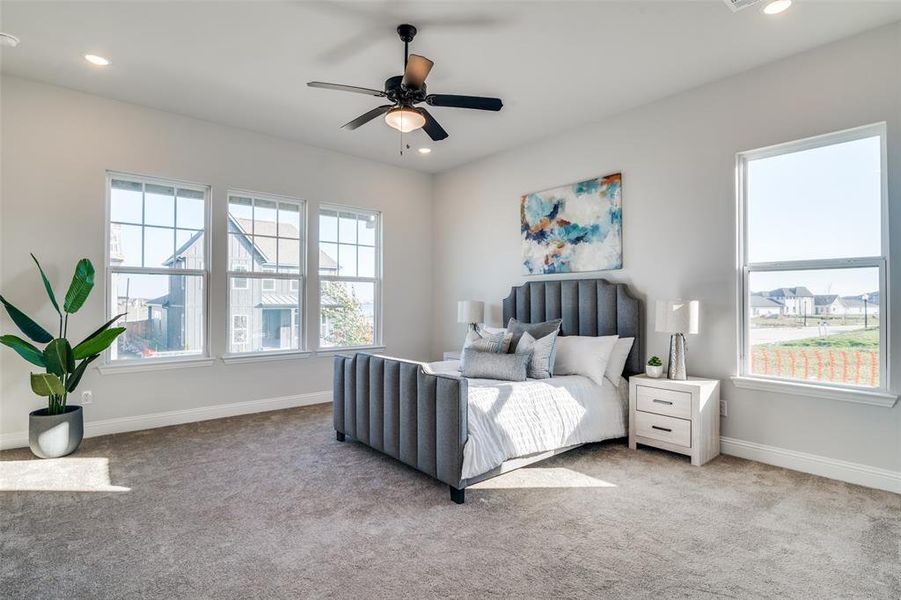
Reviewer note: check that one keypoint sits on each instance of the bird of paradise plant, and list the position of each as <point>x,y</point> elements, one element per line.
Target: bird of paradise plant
<point>64,365</point>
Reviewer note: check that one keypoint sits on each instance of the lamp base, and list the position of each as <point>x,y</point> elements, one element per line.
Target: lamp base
<point>677,358</point>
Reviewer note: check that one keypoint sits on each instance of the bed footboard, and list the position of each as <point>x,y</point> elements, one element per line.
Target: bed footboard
<point>395,407</point>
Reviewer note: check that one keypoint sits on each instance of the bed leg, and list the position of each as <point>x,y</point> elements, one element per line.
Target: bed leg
<point>458,496</point>
<point>339,436</point>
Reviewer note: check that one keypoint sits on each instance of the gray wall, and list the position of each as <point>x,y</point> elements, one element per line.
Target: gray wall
<point>677,157</point>
<point>57,145</point>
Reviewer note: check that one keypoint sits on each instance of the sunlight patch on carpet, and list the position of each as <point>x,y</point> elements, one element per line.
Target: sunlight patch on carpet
<point>57,475</point>
<point>554,477</point>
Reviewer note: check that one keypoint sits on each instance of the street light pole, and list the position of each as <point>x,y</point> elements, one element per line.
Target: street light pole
<point>864,311</point>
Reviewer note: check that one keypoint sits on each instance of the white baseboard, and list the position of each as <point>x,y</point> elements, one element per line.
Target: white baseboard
<point>19,439</point>
<point>850,472</point>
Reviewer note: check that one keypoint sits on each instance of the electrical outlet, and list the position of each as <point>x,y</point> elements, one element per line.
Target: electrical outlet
<point>724,409</point>
<point>87,397</point>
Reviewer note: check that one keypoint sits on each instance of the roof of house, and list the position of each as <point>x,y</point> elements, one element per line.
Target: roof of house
<point>852,301</point>
<point>758,301</point>
<point>794,292</point>
<point>824,299</point>
<point>265,244</point>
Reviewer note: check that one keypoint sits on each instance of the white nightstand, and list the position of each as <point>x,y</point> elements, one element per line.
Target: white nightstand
<point>452,355</point>
<point>679,416</point>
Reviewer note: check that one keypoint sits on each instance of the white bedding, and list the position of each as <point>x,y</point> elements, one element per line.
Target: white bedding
<point>511,419</point>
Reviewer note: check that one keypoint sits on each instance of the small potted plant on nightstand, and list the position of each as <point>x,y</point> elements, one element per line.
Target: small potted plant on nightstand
<point>654,367</point>
<point>57,430</point>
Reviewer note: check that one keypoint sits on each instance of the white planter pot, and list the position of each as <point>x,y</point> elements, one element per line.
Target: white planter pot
<point>655,372</point>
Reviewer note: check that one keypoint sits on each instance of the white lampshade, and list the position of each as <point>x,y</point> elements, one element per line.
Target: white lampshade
<point>404,119</point>
<point>677,316</point>
<point>470,311</point>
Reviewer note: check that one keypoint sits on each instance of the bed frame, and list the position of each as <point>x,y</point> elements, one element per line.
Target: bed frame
<point>420,418</point>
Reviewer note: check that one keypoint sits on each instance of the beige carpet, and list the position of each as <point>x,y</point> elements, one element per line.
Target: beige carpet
<point>271,506</point>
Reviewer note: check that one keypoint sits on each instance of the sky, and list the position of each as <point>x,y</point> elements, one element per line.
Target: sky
<point>815,204</point>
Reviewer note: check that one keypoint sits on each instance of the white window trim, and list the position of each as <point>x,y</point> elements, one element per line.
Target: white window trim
<point>301,279</point>
<point>377,281</point>
<point>197,359</point>
<point>881,396</point>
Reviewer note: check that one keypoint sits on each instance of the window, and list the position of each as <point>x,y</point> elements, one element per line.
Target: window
<point>266,273</point>
<point>814,260</point>
<point>157,267</point>
<point>349,276</point>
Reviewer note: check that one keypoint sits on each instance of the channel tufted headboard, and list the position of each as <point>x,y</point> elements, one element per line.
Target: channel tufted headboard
<point>587,307</point>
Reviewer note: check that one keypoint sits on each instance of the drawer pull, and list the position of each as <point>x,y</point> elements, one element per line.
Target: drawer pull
<point>658,401</point>
<point>667,429</point>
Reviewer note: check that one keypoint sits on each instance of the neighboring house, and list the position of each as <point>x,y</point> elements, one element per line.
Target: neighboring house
<point>764,307</point>
<point>795,301</point>
<point>856,305</point>
<point>828,304</point>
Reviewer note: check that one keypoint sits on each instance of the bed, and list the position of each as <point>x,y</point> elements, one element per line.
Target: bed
<point>462,431</point>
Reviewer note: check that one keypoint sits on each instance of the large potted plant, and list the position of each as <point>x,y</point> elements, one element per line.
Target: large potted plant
<point>57,430</point>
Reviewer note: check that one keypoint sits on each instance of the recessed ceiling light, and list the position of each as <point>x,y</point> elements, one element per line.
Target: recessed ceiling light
<point>94,59</point>
<point>425,150</point>
<point>777,6</point>
<point>8,39</point>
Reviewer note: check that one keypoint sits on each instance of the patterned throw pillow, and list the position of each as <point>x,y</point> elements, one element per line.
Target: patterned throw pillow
<point>494,365</point>
<point>541,351</point>
<point>536,330</point>
<point>488,341</point>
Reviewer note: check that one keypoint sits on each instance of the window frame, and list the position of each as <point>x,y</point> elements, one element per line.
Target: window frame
<point>300,277</point>
<point>376,280</point>
<point>864,394</point>
<point>202,358</point>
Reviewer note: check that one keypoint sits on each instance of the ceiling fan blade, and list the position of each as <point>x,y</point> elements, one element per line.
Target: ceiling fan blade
<point>345,88</point>
<point>431,127</point>
<point>365,118</point>
<point>476,102</point>
<point>417,70</point>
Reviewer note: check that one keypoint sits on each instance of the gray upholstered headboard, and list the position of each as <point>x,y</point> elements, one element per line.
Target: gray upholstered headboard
<point>586,306</point>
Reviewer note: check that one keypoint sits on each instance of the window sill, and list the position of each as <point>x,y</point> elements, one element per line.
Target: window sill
<point>871,397</point>
<point>153,365</point>
<point>351,349</point>
<point>256,357</point>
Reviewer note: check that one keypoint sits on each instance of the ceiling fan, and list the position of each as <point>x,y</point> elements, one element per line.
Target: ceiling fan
<point>406,91</point>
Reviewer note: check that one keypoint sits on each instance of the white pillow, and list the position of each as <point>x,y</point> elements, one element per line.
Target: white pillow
<point>583,355</point>
<point>617,361</point>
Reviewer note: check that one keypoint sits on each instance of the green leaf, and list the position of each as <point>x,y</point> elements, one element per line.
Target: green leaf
<point>97,343</point>
<point>75,379</point>
<point>59,358</point>
<point>45,384</point>
<point>24,322</point>
<point>47,286</point>
<point>24,349</point>
<point>81,286</point>
<point>100,329</point>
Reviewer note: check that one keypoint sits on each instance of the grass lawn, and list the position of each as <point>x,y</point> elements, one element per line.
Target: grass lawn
<point>851,357</point>
<point>857,340</point>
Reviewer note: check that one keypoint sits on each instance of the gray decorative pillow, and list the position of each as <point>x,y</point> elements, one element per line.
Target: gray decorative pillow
<point>483,339</point>
<point>492,365</point>
<point>541,354</point>
<point>536,330</point>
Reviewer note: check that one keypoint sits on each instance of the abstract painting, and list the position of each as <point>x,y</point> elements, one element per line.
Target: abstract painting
<point>573,228</point>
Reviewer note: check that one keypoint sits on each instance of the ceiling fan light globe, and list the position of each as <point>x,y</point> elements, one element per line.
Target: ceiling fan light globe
<point>404,120</point>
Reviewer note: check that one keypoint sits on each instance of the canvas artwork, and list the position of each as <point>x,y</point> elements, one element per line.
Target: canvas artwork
<point>573,228</point>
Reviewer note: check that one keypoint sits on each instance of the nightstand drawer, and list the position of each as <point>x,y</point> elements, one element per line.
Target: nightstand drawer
<point>664,402</point>
<point>666,429</point>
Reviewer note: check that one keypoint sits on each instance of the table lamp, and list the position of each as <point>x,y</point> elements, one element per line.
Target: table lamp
<point>677,317</point>
<point>471,312</point>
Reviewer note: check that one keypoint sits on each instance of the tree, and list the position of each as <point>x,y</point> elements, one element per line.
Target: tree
<point>342,310</point>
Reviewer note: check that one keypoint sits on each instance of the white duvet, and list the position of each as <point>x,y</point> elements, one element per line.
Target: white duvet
<point>513,419</point>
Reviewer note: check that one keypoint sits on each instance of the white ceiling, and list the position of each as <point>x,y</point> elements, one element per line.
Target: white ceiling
<point>556,65</point>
